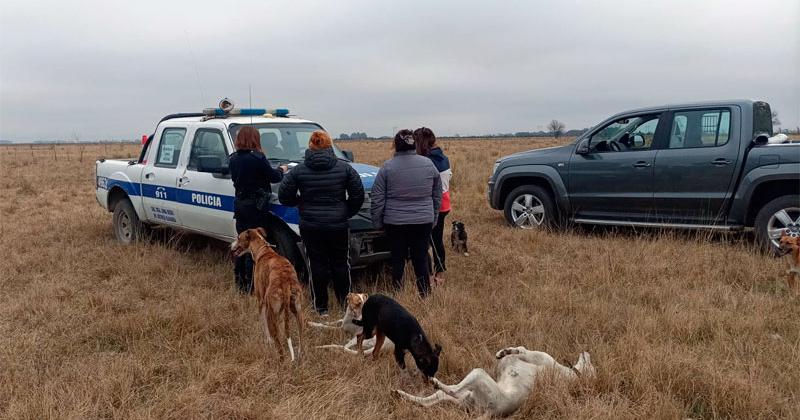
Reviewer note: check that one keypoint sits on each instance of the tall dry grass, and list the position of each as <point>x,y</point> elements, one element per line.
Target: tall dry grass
<point>679,325</point>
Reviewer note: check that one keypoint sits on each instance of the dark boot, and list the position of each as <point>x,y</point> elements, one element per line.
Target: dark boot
<point>243,273</point>
<point>247,278</point>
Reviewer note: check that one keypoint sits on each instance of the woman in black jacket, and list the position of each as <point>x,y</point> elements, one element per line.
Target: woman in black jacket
<point>331,193</point>
<point>251,174</point>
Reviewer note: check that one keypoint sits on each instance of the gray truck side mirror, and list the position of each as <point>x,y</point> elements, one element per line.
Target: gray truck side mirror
<point>583,147</point>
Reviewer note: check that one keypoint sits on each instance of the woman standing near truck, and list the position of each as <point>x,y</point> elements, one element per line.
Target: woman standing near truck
<point>331,193</point>
<point>406,197</point>
<point>252,175</point>
<point>426,146</point>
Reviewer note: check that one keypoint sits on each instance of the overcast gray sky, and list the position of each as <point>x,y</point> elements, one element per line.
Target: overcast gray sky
<point>111,69</point>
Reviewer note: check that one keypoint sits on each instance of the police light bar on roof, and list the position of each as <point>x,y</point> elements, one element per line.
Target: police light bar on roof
<point>219,112</point>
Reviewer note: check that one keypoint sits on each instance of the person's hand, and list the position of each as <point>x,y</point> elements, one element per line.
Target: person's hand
<point>283,168</point>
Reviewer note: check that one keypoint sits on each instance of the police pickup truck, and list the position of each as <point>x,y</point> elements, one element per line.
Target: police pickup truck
<point>181,180</point>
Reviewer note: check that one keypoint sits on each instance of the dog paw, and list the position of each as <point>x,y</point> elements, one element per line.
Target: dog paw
<point>466,254</point>
<point>506,351</point>
<point>398,393</point>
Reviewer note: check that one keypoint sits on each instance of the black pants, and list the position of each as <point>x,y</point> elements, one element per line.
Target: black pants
<point>247,217</point>
<point>328,255</point>
<point>437,242</point>
<point>405,240</point>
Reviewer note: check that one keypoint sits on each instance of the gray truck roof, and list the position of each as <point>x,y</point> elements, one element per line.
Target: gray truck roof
<point>743,103</point>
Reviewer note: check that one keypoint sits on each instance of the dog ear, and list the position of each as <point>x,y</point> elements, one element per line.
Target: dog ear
<point>262,232</point>
<point>437,349</point>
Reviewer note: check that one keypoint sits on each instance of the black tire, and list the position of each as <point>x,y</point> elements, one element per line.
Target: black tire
<point>286,245</point>
<point>535,219</point>
<point>788,203</point>
<point>126,224</point>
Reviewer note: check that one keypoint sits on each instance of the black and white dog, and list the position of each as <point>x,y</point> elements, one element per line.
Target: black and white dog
<point>458,238</point>
<point>384,318</point>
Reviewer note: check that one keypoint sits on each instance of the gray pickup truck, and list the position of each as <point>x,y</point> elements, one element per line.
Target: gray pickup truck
<point>707,165</point>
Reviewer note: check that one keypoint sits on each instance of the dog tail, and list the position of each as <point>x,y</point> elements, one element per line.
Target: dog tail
<point>338,347</point>
<point>323,326</point>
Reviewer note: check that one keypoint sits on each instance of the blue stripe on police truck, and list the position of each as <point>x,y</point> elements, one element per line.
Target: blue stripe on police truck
<point>194,198</point>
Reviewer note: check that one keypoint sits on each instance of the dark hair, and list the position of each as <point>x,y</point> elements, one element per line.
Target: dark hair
<point>401,140</point>
<point>248,139</point>
<point>425,140</point>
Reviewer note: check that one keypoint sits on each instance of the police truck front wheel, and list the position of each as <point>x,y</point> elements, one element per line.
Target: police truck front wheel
<point>127,226</point>
<point>286,245</point>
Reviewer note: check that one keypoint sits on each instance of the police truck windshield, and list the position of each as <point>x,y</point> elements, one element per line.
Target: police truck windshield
<point>284,142</point>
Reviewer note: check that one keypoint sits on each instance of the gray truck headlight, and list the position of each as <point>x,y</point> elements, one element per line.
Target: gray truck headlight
<point>494,168</point>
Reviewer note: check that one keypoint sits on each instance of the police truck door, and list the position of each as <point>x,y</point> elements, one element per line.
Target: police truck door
<point>160,176</point>
<point>205,189</point>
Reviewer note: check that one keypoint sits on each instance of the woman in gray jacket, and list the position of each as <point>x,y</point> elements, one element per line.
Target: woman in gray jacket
<point>406,197</point>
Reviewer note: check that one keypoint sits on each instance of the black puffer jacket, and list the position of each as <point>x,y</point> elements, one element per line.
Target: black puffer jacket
<point>330,191</point>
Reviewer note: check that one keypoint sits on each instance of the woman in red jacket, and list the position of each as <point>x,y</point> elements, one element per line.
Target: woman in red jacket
<point>425,141</point>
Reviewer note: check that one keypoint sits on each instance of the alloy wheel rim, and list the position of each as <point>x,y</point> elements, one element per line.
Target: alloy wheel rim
<point>787,218</point>
<point>527,211</point>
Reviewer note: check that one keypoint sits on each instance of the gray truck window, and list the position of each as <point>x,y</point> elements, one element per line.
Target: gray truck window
<point>704,128</point>
<point>207,143</point>
<point>169,148</point>
<point>626,134</point>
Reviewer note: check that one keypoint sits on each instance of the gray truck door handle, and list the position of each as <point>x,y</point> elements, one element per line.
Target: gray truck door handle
<point>641,164</point>
<point>183,180</point>
<point>150,175</point>
<point>720,162</point>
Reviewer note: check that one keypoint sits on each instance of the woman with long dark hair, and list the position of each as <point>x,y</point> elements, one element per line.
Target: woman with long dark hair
<point>425,141</point>
<point>252,175</point>
<point>406,197</point>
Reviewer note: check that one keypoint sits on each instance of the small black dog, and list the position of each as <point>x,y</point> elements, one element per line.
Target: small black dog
<point>458,238</point>
<point>384,317</point>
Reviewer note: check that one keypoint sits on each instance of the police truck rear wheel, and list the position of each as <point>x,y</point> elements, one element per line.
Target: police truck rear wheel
<point>127,226</point>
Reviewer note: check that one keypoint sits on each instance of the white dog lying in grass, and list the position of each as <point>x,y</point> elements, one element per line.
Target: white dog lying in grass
<point>517,370</point>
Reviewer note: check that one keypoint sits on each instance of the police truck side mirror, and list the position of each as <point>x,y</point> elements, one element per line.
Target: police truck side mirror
<point>211,164</point>
<point>348,154</point>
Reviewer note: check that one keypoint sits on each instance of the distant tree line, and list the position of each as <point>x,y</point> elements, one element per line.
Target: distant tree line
<point>558,133</point>
<point>353,136</point>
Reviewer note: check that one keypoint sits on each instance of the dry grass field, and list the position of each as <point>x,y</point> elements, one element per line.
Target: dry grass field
<point>679,325</point>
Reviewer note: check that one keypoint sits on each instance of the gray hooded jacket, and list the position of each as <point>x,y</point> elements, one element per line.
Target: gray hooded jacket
<point>407,190</point>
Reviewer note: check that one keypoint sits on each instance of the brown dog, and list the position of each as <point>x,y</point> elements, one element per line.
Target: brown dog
<point>790,243</point>
<point>275,286</point>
